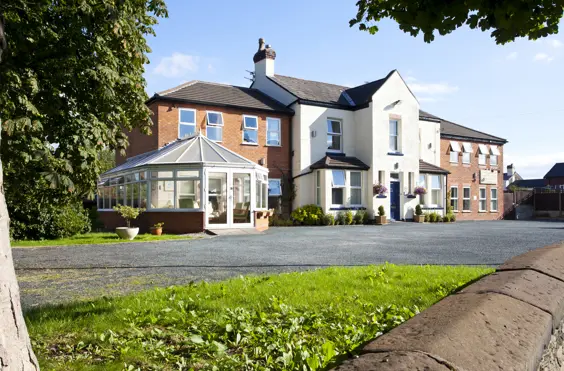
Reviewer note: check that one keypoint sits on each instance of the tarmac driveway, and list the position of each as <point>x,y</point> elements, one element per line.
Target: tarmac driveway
<point>57,274</point>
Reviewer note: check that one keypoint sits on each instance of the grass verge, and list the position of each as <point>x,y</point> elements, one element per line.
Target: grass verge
<point>97,238</point>
<point>292,321</point>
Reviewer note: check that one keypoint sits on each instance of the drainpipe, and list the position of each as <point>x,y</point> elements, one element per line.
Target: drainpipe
<point>291,153</point>
<point>446,188</point>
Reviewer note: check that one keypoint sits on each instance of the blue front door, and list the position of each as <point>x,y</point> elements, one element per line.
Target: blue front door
<point>394,201</point>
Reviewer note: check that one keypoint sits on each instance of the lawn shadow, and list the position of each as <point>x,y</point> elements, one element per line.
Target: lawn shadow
<point>66,311</point>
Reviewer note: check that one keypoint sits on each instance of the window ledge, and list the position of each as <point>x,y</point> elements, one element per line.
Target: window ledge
<point>466,211</point>
<point>482,211</point>
<point>494,211</point>
<point>455,211</point>
<point>250,144</point>
<point>395,154</point>
<point>432,207</point>
<point>337,208</point>
<point>273,145</point>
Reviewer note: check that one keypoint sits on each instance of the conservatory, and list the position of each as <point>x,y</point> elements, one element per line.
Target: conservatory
<point>190,184</point>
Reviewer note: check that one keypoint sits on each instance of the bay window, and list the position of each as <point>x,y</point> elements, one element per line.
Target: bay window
<point>318,188</point>
<point>356,187</point>
<point>250,130</point>
<point>422,182</point>
<point>334,135</point>
<point>338,187</point>
<point>436,190</point>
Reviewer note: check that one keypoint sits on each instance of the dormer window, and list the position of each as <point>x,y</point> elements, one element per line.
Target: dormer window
<point>250,130</point>
<point>186,122</point>
<point>334,135</point>
<point>214,129</point>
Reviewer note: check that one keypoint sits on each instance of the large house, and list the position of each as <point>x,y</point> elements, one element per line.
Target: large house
<point>220,155</point>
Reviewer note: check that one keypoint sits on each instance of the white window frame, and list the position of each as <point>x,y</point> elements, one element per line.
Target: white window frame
<point>482,159</point>
<point>492,199</point>
<point>279,187</point>
<point>482,199</point>
<point>436,189</point>
<point>180,110</point>
<point>469,199</point>
<point>397,136</point>
<point>279,131</point>
<point>467,151</point>
<point>493,160</point>
<point>332,134</point>
<point>454,200</point>
<point>214,125</point>
<point>453,157</point>
<point>318,187</point>
<point>422,182</point>
<point>249,128</point>
<point>343,187</point>
<point>351,187</point>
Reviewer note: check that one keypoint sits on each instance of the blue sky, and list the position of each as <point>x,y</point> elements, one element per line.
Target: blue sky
<point>512,91</point>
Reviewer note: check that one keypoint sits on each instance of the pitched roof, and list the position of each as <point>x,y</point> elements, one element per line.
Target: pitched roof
<point>331,161</point>
<point>451,130</point>
<point>425,167</point>
<point>556,171</point>
<point>330,94</point>
<point>222,95</point>
<point>196,149</point>
<point>528,183</point>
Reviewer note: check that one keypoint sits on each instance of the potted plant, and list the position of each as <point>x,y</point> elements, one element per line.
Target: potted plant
<point>381,218</point>
<point>128,213</point>
<point>379,190</point>
<point>419,217</point>
<point>157,229</point>
<point>420,191</point>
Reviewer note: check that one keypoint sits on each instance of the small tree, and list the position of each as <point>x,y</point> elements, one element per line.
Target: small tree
<point>128,213</point>
<point>418,210</point>
<point>381,211</point>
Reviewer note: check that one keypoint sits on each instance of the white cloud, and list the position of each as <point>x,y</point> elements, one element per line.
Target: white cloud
<point>543,57</point>
<point>555,43</point>
<point>533,166</point>
<point>177,65</point>
<point>433,88</point>
<point>511,56</point>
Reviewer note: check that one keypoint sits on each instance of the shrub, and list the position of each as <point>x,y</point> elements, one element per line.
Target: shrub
<point>128,213</point>
<point>452,218</point>
<point>435,217</point>
<point>349,218</point>
<point>427,218</point>
<point>446,218</point>
<point>418,210</point>
<point>342,218</point>
<point>360,216</point>
<point>381,211</point>
<point>328,219</point>
<point>308,215</point>
<point>36,221</point>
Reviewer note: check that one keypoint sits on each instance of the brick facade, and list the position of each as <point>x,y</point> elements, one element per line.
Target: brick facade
<point>174,222</point>
<point>462,175</point>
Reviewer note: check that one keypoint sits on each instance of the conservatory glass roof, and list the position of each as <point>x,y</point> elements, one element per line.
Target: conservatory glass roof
<point>197,150</point>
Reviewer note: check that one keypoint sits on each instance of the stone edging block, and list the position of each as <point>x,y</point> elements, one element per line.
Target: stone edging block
<point>548,260</point>
<point>394,361</point>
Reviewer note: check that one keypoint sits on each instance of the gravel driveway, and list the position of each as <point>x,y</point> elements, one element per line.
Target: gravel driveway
<point>58,274</point>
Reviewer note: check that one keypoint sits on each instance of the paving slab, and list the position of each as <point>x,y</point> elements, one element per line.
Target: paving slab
<point>394,361</point>
<point>474,332</point>
<point>548,260</point>
<point>532,287</point>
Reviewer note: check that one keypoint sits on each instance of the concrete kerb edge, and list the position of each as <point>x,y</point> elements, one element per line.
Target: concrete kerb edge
<point>533,265</point>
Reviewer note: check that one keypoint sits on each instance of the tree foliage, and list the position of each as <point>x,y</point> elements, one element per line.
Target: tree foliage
<point>71,84</point>
<point>507,20</point>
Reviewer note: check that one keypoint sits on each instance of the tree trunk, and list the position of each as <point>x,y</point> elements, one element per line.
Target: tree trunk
<point>15,348</point>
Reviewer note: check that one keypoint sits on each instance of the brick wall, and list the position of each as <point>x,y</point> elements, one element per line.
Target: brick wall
<point>139,142</point>
<point>463,175</point>
<point>174,222</point>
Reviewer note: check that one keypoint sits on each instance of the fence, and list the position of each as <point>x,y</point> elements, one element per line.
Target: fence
<point>548,202</point>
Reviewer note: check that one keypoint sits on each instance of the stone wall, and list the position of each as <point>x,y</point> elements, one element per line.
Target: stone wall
<point>504,321</point>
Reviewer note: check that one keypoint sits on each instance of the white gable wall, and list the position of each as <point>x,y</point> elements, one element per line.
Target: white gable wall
<point>430,142</point>
<point>269,87</point>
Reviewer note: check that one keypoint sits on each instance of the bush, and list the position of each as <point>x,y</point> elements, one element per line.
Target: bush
<point>308,215</point>
<point>328,219</point>
<point>277,221</point>
<point>360,217</point>
<point>446,218</point>
<point>342,218</point>
<point>349,218</point>
<point>427,218</point>
<point>418,210</point>
<point>34,221</point>
<point>434,217</point>
<point>381,211</point>
<point>452,218</point>
<point>128,213</point>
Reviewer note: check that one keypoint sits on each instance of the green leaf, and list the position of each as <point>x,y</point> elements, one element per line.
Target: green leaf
<point>196,339</point>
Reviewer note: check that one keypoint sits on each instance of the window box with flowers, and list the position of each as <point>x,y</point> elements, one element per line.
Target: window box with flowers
<point>420,191</point>
<point>379,190</point>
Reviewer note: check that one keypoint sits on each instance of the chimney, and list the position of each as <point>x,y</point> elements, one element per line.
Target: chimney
<point>264,60</point>
<point>510,170</point>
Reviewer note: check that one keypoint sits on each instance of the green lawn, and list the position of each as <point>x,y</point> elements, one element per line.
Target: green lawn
<point>94,238</point>
<point>293,321</point>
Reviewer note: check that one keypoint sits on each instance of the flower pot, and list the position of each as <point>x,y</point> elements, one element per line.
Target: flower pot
<point>419,218</point>
<point>380,220</point>
<point>156,231</point>
<point>126,233</point>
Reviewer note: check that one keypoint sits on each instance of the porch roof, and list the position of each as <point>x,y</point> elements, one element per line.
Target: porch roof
<point>427,168</point>
<point>196,150</point>
<point>335,161</point>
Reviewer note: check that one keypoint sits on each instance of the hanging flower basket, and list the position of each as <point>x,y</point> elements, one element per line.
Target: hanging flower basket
<point>379,190</point>
<point>420,191</point>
